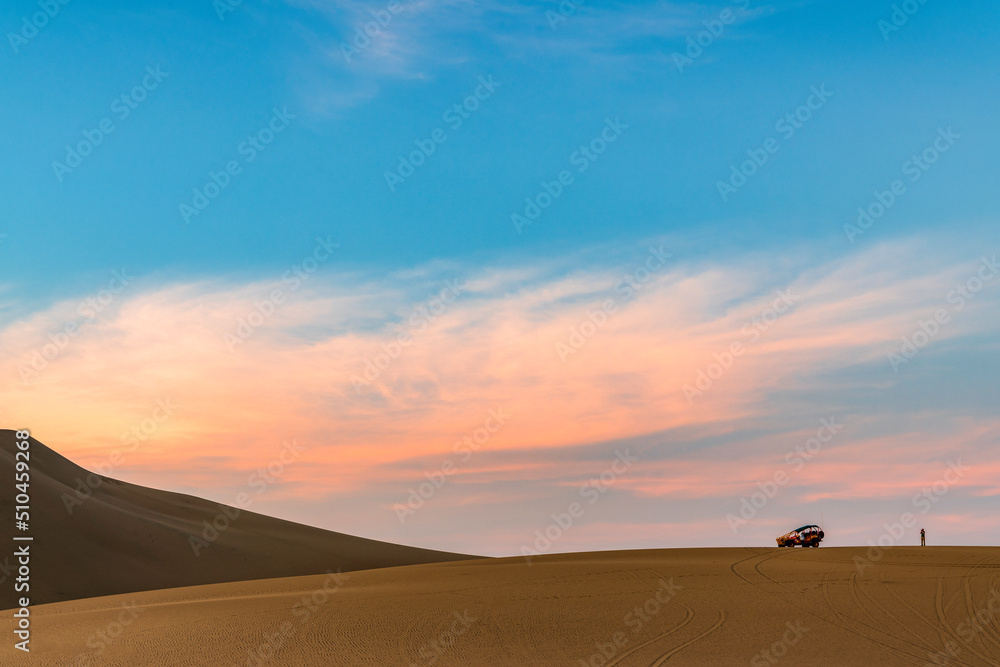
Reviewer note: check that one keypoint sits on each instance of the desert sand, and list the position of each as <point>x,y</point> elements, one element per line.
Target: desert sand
<point>757,606</point>
<point>95,535</point>
<point>125,587</point>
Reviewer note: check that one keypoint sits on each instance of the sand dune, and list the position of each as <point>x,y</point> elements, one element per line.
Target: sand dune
<point>125,538</point>
<point>754,606</point>
<point>643,608</point>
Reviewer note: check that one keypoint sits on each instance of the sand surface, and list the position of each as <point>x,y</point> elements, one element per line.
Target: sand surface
<point>642,608</point>
<point>95,535</point>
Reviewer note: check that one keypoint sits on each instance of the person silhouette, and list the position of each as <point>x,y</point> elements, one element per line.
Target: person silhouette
<point>923,541</point>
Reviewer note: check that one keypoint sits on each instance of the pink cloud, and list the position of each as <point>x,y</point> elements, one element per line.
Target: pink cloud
<point>493,348</point>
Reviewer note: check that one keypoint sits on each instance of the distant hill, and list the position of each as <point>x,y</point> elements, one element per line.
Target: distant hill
<point>127,538</point>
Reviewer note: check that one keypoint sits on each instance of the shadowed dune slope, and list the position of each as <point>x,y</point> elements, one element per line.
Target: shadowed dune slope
<point>687,607</point>
<point>126,538</point>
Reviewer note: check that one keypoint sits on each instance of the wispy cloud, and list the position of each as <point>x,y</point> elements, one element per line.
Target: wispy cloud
<point>361,46</point>
<point>492,342</point>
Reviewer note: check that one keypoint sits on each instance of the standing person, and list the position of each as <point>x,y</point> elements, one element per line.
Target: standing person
<point>923,542</point>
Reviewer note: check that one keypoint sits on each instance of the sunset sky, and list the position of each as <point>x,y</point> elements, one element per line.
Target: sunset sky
<point>445,276</point>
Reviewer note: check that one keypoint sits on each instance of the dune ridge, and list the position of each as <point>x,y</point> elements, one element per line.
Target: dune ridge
<point>125,538</point>
<point>688,607</point>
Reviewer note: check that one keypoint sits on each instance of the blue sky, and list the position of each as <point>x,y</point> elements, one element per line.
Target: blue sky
<point>326,172</point>
<point>602,77</point>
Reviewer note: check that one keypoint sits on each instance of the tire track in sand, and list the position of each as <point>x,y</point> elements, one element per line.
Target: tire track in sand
<point>819,611</point>
<point>983,628</point>
<point>987,629</point>
<point>840,615</point>
<point>680,647</point>
<point>944,629</point>
<point>687,619</point>
<point>846,623</point>
<point>857,593</point>
<point>940,610</point>
<point>662,658</point>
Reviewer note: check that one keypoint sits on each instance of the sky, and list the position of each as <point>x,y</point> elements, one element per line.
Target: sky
<point>513,277</point>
